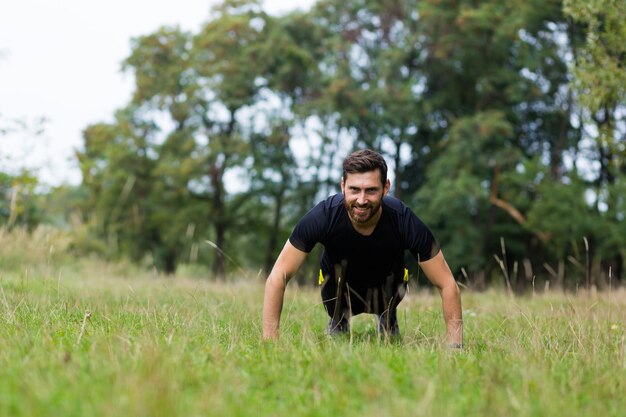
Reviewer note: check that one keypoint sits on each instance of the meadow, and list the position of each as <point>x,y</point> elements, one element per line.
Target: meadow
<point>80,337</point>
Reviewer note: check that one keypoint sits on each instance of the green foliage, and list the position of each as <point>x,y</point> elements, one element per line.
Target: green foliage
<point>18,200</point>
<point>600,80</point>
<point>612,225</point>
<point>559,202</point>
<point>599,70</point>
<point>501,122</point>
<point>371,75</point>
<point>161,189</point>
<point>228,54</point>
<point>492,74</point>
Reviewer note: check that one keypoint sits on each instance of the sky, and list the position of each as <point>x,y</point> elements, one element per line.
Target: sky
<point>60,60</point>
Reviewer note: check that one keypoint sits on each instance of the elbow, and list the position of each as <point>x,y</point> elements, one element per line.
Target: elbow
<point>276,280</point>
<point>454,289</point>
<point>451,289</point>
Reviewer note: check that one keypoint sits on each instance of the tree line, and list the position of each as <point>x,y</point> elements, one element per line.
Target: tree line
<point>503,123</point>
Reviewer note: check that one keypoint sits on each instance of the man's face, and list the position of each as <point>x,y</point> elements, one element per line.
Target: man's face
<point>363,194</point>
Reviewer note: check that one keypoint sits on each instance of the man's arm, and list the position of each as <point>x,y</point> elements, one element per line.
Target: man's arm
<point>287,263</point>
<point>438,272</point>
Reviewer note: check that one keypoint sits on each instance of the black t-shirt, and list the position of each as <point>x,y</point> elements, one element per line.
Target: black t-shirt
<point>370,260</point>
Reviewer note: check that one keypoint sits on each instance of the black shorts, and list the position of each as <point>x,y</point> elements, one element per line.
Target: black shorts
<point>352,300</point>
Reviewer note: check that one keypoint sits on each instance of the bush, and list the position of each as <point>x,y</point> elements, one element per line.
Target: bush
<point>41,247</point>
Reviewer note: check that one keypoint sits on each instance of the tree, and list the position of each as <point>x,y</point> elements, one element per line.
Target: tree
<point>472,101</point>
<point>496,90</point>
<point>118,171</point>
<point>371,77</point>
<point>18,203</point>
<point>17,200</point>
<point>600,81</point>
<point>193,109</point>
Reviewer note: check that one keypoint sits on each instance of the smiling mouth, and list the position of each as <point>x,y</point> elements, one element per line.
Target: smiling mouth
<point>360,211</point>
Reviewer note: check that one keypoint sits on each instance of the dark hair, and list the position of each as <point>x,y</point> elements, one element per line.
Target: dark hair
<point>365,160</point>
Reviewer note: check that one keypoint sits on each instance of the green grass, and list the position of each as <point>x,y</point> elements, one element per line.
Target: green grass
<point>156,346</point>
<point>83,338</point>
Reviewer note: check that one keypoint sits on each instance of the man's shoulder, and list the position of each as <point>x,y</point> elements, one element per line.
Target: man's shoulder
<point>395,205</point>
<point>331,203</point>
<point>315,224</point>
<point>325,209</point>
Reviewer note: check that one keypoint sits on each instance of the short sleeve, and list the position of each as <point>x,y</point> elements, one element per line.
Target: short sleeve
<point>310,229</point>
<point>418,238</point>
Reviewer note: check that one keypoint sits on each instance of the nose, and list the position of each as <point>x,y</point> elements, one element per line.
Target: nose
<point>361,198</point>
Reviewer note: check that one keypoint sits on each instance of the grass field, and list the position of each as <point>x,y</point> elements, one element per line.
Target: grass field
<point>91,339</point>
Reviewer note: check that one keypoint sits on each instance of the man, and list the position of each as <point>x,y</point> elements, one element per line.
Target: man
<point>365,234</point>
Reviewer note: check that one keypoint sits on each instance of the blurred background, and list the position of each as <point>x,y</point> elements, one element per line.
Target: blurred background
<point>195,136</point>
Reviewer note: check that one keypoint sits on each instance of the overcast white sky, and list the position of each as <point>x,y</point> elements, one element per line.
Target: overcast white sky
<point>60,59</point>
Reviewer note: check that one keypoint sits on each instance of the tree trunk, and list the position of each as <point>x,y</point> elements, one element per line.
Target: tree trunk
<point>508,207</point>
<point>619,267</point>
<point>558,146</point>
<point>169,263</point>
<point>219,267</point>
<point>397,189</point>
<point>219,221</point>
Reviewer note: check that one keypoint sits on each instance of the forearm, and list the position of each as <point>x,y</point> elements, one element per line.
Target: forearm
<point>452,314</point>
<point>273,305</point>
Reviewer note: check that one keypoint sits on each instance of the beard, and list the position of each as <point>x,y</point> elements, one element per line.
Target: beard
<point>360,214</point>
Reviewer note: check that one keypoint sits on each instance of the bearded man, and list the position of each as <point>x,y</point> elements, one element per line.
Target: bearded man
<point>365,234</point>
